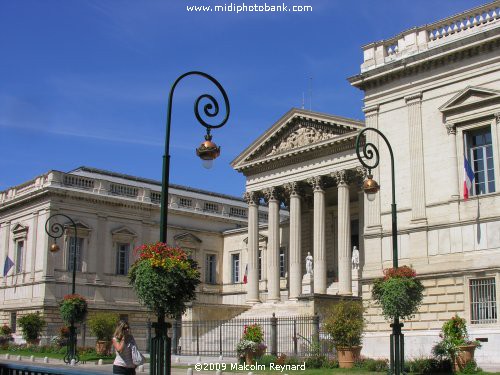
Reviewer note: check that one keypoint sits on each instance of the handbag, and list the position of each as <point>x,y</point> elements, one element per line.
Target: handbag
<point>137,357</point>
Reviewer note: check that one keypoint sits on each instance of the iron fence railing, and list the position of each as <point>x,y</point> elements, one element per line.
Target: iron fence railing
<point>293,336</point>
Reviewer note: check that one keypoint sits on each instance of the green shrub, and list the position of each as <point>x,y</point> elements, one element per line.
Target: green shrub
<point>32,325</point>
<point>471,368</point>
<point>374,365</point>
<point>428,366</point>
<point>102,325</point>
<point>330,363</point>
<point>293,361</point>
<point>316,361</point>
<point>267,359</point>
<point>344,323</point>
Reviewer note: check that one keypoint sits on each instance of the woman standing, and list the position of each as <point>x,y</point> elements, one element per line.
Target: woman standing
<point>122,342</point>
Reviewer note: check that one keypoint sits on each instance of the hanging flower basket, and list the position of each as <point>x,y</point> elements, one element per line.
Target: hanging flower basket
<point>73,309</point>
<point>164,278</point>
<point>399,293</point>
<point>251,344</point>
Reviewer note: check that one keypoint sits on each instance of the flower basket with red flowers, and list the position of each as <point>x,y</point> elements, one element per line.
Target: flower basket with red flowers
<point>251,345</point>
<point>399,292</point>
<point>164,278</point>
<point>73,308</point>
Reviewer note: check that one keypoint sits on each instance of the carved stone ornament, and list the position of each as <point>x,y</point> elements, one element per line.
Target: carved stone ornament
<point>270,193</point>
<point>303,136</point>
<point>317,183</point>
<point>340,177</point>
<point>451,129</point>
<point>294,188</point>
<point>252,197</point>
<point>497,117</point>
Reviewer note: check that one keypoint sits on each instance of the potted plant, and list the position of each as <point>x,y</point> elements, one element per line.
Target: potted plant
<point>32,325</point>
<point>5,336</point>
<point>455,344</point>
<point>344,323</point>
<point>102,325</point>
<point>251,344</point>
<point>73,308</point>
<point>399,293</point>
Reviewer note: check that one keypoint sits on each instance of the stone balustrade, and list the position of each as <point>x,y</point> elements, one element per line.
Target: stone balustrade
<point>212,205</point>
<point>429,36</point>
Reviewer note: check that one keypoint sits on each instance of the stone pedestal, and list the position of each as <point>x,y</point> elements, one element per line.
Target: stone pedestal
<point>308,284</point>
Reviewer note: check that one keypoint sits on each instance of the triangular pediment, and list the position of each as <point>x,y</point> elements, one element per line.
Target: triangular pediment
<point>79,225</point>
<point>298,131</point>
<point>123,231</point>
<point>187,238</point>
<point>470,97</point>
<point>19,228</point>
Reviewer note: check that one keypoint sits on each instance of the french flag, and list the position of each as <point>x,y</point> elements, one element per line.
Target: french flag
<point>468,178</point>
<point>245,276</point>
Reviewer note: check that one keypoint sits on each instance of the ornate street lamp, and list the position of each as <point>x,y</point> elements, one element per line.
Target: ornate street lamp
<point>208,151</point>
<point>55,231</point>
<point>371,187</point>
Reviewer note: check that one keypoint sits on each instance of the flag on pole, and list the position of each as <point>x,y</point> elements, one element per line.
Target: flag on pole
<point>245,276</point>
<point>468,178</point>
<point>7,266</point>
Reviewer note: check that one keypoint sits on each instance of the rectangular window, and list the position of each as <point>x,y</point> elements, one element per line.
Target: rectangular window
<point>13,321</point>
<point>483,301</point>
<point>71,253</point>
<point>282,262</point>
<point>479,152</point>
<point>211,207</point>
<point>237,212</point>
<point>235,268</point>
<point>122,257</point>
<point>185,202</point>
<point>19,256</point>
<point>210,268</point>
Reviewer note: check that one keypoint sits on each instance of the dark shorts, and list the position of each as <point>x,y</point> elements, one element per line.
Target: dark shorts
<point>123,370</point>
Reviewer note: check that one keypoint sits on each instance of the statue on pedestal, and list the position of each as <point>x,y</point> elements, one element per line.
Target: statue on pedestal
<point>355,258</point>
<point>309,264</point>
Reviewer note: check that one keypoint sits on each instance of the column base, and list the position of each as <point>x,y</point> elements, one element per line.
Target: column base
<point>253,301</point>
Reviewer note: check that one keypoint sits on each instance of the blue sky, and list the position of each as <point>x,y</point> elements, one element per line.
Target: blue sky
<point>86,82</point>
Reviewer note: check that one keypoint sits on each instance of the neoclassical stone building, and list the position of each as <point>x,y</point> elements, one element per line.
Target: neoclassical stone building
<point>433,90</point>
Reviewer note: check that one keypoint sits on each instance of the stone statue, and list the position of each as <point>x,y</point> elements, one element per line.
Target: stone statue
<point>355,258</point>
<point>309,264</point>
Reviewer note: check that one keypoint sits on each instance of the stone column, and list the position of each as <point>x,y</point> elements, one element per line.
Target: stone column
<point>273,249</point>
<point>414,103</point>
<point>295,278</point>
<point>344,233</point>
<point>372,221</point>
<point>252,199</point>
<point>319,241</point>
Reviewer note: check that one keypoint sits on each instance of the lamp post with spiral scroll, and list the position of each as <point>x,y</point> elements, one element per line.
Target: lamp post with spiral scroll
<point>370,159</point>
<point>55,231</point>
<point>207,151</point>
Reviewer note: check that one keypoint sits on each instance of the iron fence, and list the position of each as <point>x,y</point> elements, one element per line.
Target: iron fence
<point>293,336</point>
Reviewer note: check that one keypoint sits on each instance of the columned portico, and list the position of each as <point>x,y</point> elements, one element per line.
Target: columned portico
<point>273,250</point>
<point>252,199</point>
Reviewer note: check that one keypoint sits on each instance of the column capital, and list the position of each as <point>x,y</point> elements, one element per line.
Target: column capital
<point>340,177</point>
<point>252,197</point>
<point>416,97</point>
<point>371,110</point>
<point>497,117</point>
<point>271,193</point>
<point>451,129</point>
<point>294,188</point>
<point>317,183</point>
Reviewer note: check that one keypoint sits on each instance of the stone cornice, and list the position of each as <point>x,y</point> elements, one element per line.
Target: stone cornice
<point>445,54</point>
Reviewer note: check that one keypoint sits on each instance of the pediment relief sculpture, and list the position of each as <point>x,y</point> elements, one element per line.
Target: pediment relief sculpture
<point>301,137</point>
